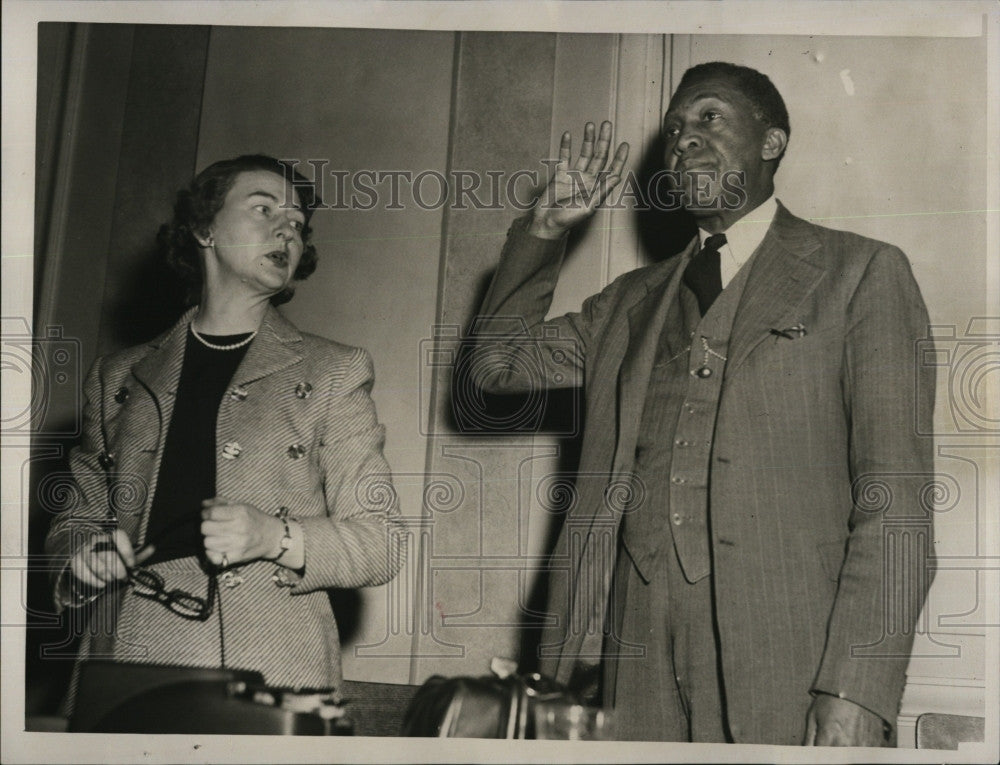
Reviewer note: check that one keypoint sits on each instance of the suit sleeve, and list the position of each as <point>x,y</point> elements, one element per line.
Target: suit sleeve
<point>887,568</point>
<point>357,543</point>
<point>514,350</point>
<point>84,512</point>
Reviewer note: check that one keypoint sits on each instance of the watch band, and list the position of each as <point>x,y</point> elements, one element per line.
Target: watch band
<point>286,540</point>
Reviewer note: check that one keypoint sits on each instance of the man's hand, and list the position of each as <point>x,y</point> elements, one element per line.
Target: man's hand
<point>107,559</point>
<point>574,193</point>
<point>833,721</point>
<point>238,532</point>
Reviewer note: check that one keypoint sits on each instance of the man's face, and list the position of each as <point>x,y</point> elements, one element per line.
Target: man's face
<point>714,143</point>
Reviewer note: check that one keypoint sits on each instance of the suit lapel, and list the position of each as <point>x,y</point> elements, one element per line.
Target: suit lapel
<point>784,271</point>
<point>659,312</point>
<point>160,370</point>
<point>277,345</point>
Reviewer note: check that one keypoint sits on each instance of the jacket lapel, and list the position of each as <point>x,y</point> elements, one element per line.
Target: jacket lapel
<point>784,271</point>
<point>659,312</point>
<point>278,345</point>
<point>160,370</point>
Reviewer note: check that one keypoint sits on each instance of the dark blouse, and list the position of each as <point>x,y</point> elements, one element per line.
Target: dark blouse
<point>187,470</point>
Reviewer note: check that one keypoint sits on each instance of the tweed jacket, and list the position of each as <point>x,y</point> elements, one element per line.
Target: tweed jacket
<point>820,528</point>
<point>299,418</point>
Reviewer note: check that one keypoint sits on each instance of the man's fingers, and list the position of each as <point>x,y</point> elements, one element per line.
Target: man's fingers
<point>565,150</point>
<point>600,156</point>
<point>618,161</point>
<point>586,148</point>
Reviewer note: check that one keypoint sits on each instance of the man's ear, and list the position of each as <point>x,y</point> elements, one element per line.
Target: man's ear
<point>775,141</point>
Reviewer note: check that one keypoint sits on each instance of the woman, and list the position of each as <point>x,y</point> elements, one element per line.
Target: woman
<point>231,470</point>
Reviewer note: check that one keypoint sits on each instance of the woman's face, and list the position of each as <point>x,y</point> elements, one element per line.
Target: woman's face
<point>257,235</point>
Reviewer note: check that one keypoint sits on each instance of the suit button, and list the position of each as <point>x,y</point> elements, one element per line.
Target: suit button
<point>681,443</point>
<point>238,393</point>
<point>106,460</point>
<point>676,518</point>
<point>231,450</point>
<point>121,395</point>
<point>678,480</point>
<point>296,450</point>
<point>703,372</point>
<point>303,390</point>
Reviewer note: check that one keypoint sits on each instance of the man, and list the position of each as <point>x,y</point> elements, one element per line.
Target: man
<point>756,394</point>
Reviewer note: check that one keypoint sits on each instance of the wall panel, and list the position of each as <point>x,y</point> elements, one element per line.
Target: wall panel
<point>353,100</point>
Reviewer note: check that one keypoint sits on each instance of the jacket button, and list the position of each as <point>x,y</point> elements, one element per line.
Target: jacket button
<point>106,460</point>
<point>238,393</point>
<point>121,395</point>
<point>296,450</point>
<point>703,372</point>
<point>231,450</point>
<point>681,443</point>
<point>303,390</point>
<point>678,480</point>
<point>676,518</point>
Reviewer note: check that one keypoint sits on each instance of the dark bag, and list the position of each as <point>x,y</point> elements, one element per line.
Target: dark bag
<point>493,706</point>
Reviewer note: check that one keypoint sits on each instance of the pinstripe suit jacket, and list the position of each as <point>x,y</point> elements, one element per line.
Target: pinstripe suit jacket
<point>339,487</point>
<point>820,530</point>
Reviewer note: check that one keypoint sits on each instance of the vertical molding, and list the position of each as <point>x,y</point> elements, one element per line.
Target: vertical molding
<point>681,50</point>
<point>159,144</point>
<point>615,116</point>
<point>63,151</point>
<point>637,107</point>
<point>501,119</point>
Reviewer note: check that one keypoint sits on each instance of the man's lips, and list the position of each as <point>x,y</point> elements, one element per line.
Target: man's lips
<point>693,165</point>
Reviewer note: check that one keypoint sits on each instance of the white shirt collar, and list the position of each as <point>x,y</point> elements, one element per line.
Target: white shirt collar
<point>742,238</point>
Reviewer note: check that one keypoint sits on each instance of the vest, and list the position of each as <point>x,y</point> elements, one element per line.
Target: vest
<point>674,442</point>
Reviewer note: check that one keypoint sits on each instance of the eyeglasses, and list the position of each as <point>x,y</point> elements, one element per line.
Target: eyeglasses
<point>148,584</point>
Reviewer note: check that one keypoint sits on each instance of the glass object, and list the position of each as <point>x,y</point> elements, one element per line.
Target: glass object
<point>146,583</point>
<point>572,722</point>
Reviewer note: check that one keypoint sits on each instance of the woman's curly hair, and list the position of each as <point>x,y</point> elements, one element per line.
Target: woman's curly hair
<point>196,208</point>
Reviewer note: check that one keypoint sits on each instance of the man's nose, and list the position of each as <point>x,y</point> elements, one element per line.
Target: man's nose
<point>688,139</point>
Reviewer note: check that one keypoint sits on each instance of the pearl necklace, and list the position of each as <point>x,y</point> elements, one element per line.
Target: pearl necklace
<point>217,347</point>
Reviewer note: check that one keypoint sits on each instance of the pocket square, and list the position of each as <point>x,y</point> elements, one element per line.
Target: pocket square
<point>790,333</point>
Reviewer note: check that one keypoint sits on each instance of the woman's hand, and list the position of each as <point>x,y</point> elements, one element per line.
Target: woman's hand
<point>574,193</point>
<point>107,559</point>
<point>238,531</point>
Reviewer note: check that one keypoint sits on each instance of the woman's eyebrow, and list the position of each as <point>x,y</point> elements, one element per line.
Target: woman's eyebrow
<point>272,197</point>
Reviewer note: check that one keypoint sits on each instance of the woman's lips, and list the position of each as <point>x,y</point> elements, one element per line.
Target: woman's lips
<point>278,257</point>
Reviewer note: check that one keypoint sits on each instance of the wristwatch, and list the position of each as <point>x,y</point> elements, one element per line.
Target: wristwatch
<point>286,540</point>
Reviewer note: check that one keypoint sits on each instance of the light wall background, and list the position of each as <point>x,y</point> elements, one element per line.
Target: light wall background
<point>885,141</point>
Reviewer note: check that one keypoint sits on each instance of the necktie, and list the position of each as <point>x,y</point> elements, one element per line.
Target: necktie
<point>703,274</point>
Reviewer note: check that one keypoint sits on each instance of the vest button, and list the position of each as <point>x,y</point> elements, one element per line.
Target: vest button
<point>704,372</point>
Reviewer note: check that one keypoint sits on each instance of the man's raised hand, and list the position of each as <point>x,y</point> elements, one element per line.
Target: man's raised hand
<point>574,193</point>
